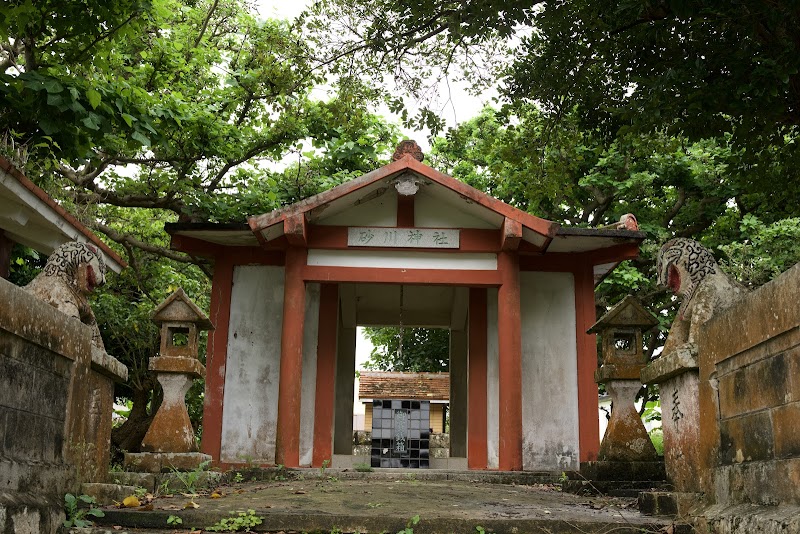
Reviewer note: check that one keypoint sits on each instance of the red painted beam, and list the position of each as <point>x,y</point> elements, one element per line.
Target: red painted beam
<point>615,254</point>
<point>216,356</point>
<point>477,451</point>
<point>287,443</point>
<point>569,261</point>
<point>326,374</point>
<point>259,222</point>
<point>405,211</point>
<point>55,206</point>
<point>322,274</point>
<point>295,228</point>
<point>510,363</point>
<point>588,427</point>
<point>510,234</point>
<point>274,254</point>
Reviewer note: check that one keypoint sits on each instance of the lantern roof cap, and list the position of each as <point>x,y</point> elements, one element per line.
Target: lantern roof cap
<point>628,312</point>
<point>179,308</point>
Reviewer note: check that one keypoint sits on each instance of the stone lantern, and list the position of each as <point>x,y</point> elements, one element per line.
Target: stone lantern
<point>169,442</point>
<point>626,439</point>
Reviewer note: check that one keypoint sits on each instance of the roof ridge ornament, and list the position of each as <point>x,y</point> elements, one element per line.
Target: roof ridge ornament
<point>410,147</point>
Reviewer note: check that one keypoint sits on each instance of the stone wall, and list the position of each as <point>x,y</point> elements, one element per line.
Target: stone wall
<point>39,347</point>
<point>55,410</point>
<point>755,350</point>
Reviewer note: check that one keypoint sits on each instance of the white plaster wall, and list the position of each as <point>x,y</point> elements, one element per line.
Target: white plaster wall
<point>380,211</point>
<point>250,409</point>
<point>492,382</point>
<point>309,378</point>
<point>549,372</point>
<point>432,212</point>
<point>402,259</point>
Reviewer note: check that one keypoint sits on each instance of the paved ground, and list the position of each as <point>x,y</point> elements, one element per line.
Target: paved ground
<point>386,502</point>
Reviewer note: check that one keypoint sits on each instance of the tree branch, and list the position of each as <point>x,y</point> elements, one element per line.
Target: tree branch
<point>130,241</point>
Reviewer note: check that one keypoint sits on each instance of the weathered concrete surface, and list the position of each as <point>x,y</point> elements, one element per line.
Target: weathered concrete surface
<point>749,519</point>
<point>25,513</point>
<point>250,409</point>
<point>164,462</point>
<point>41,396</point>
<point>171,429</point>
<point>628,470</point>
<point>680,415</point>
<point>370,505</point>
<point>670,503</point>
<point>549,372</point>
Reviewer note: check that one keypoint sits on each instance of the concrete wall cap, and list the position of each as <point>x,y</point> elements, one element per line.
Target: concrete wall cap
<point>666,366</point>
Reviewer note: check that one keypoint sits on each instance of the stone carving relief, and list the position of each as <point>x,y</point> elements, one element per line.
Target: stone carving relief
<point>72,272</point>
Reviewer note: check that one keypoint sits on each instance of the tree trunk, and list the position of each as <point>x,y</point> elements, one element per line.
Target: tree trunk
<point>128,436</point>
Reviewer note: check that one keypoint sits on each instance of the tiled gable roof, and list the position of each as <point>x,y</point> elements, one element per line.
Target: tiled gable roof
<point>415,386</point>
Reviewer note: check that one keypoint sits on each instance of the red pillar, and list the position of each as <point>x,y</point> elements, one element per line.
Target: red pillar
<point>287,441</point>
<point>477,456</point>
<point>588,426</point>
<point>326,374</point>
<point>5,255</point>
<point>510,362</point>
<point>216,356</point>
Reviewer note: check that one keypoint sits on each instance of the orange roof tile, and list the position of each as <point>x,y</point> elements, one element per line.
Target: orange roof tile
<point>415,386</point>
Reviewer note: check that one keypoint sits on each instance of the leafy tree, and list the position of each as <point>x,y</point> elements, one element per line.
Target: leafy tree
<point>423,349</point>
<point>675,187</point>
<point>693,70</point>
<point>137,113</point>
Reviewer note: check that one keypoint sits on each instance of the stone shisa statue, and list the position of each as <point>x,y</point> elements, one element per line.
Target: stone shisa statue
<point>691,272</point>
<point>72,272</point>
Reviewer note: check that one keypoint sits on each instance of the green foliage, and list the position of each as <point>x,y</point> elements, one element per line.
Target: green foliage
<point>652,411</point>
<point>657,437</point>
<point>174,520</point>
<point>242,521</point>
<point>410,525</point>
<point>765,250</point>
<point>363,468</point>
<point>191,480</point>
<point>77,513</point>
<point>687,68</point>
<point>424,349</point>
<point>25,264</point>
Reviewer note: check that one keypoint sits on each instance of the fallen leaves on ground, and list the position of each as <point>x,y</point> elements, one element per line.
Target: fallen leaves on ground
<point>131,502</point>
